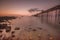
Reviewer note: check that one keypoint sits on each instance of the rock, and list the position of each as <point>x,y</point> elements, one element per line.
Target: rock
<point>39,28</point>
<point>34,30</point>
<point>8,29</point>
<point>3,26</point>
<point>13,32</point>
<point>17,28</point>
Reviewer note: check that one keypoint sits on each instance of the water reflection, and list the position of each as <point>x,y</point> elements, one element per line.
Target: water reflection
<point>22,31</point>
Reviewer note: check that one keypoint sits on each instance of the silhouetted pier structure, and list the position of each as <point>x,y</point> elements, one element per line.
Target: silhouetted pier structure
<point>50,16</point>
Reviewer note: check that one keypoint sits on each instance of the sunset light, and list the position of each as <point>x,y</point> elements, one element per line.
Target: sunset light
<point>22,7</point>
<point>29,19</point>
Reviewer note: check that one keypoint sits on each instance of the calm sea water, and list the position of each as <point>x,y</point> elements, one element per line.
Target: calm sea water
<point>30,28</point>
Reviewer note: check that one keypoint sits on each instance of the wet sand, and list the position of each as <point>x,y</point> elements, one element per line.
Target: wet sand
<point>31,28</point>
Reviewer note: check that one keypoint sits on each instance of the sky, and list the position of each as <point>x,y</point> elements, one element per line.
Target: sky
<point>21,7</point>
